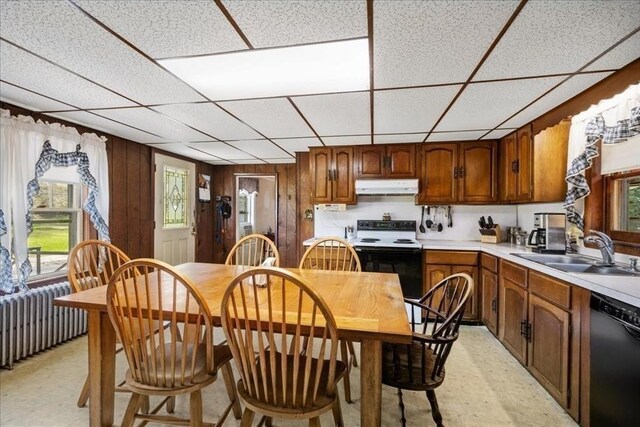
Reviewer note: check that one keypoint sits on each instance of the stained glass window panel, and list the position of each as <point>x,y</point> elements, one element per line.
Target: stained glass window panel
<point>175,197</point>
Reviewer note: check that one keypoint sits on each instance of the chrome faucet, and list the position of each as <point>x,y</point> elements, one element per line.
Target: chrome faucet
<point>605,244</point>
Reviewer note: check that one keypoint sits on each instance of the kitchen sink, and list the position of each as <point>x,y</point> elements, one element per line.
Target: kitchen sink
<point>591,269</point>
<point>555,259</point>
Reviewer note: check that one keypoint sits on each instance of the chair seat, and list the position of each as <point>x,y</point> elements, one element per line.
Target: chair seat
<point>221,355</point>
<point>408,367</point>
<point>287,410</point>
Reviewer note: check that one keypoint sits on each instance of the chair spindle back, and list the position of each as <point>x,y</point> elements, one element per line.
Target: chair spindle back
<point>252,250</point>
<point>331,253</point>
<point>92,262</point>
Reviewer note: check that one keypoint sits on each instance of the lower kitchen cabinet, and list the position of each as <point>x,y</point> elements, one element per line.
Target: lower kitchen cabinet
<point>536,314</point>
<point>489,292</point>
<point>441,264</point>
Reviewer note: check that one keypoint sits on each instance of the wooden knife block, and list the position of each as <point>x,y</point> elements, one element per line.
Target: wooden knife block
<point>491,235</point>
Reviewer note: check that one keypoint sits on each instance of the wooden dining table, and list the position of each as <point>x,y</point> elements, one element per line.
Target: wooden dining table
<point>368,308</point>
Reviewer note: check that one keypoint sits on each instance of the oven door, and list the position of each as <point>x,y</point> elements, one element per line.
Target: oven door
<point>405,262</point>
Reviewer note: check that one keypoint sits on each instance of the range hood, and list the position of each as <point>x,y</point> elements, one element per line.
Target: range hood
<point>386,186</point>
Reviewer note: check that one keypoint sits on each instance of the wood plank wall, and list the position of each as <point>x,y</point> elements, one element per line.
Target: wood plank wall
<point>131,193</point>
<point>223,184</point>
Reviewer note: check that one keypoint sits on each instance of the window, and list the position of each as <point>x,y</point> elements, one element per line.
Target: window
<point>56,217</point>
<point>625,206</point>
<point>175,197</point>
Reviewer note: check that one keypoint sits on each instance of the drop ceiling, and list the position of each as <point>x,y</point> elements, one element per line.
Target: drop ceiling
<point>439,70</point>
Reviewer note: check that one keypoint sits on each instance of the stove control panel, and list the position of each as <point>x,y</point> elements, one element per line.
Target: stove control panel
<point>393,225</point>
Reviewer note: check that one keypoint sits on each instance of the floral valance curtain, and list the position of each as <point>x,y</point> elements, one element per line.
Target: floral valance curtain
<point>30,150</point>
<point>250,185</point>
<point>614,121</point>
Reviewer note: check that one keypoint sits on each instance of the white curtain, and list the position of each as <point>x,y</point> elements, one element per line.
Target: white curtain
<point>21,144</point>
<point>615,121</point>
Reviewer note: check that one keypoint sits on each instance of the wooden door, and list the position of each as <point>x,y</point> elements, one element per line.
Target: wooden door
<point>513,318</point>
<point>548,357</point>
<point>401,161</point>
<point>508,156</point>
<point>320,164</point>
<point>550,151</point>
<point>438,182</point>
<point>471,310</point>
<point>477,173</point>
<point>489,304</point>
<point>370,161</point>
<point>343,186</point>
<point>524,184</point>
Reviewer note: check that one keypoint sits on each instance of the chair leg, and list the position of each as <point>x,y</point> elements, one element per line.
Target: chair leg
<point>84,394</point>
<point>352,351</point>
<point>347,382</point>
<point>171,405</point>
<point>195,409</point>
<point>132,409</point>
<point>337,411</point>
<point>314,422</point>
<point>437,417</point>
<point>227,375</point>
<point>247,418</point>
<point>403,420</point>
<point>268,421</point>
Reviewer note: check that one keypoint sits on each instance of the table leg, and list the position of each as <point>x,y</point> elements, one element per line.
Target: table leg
<point>102,358</point>
<point>370,383</point>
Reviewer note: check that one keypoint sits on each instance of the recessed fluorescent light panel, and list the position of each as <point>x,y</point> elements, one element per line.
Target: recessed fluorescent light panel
<point>299,70</point>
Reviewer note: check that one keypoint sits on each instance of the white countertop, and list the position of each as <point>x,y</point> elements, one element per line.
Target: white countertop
<point>623,288</point>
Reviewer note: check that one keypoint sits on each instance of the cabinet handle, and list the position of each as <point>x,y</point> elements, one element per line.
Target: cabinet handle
<point>388,161</point>
<point>517,162</point>
<point>528,335</point>
<point>494,305</point>
<point>523,328</point>
<point>330,175</point>
<point>455,172</point>
<point>461,172</point>
<point>335,174</point>
<point>513,166</point>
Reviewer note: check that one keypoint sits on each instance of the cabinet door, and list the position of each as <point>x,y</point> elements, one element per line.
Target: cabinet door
<point>401,161</point>
<point>438,183</point>
<point>320,163</point>
<point>434,274</point>
<point>524,186</point>
<point>489,282</point>
<point>513,318</point>
<point>550,163</point>
<point>471,310</point>
<point>477,180</point>
<point>549,347</point>
<point>343,189</point>
<point>508,178</point>
<point>370,161</point>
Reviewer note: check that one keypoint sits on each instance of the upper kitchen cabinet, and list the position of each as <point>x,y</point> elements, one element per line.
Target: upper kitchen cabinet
<point>550,150</point>
<point>390,161</point>
<point>516,157</point>
<point>331,172</point>
<point>459,173</point>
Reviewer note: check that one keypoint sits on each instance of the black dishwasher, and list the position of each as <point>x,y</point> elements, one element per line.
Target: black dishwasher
<point>615,363</point>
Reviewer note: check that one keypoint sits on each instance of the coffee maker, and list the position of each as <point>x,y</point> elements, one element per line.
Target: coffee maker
<point>548,235</point>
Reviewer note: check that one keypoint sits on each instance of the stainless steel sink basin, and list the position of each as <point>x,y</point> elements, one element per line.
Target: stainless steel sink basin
<point>555,259</point>
<point>590,269</point>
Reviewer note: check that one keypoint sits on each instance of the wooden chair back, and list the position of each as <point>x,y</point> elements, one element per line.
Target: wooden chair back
<point>92,262</point>
<point>265,328</point>
<point>252,250</point>
<point>145,292</point>
<point>331,253</point>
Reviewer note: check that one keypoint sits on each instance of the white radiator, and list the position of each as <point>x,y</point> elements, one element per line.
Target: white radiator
<point>29,322</point>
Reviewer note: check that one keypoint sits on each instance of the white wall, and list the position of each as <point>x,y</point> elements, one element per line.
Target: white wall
<point>265,209</point>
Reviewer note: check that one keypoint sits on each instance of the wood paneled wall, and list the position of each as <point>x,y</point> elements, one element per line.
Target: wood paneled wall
<point>223,184</point>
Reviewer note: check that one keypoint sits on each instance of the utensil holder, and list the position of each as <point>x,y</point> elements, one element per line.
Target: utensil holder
<point>491,235</point>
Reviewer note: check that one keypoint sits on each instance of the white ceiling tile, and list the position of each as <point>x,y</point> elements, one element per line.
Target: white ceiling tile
<point>487,105</point>
<point>26,70</point>
<point>281,161</point>
<point>185,150</point>
<point>260,148</point>
<point>109,126</point>
<point>456,136</point>
<point>61,33</point>
<point>565,91</point>
<point>410,110</point>
<point>209,118</point>
<point>498,133</point>
<point>347,140</point>
<point>150,121</point>
<point>283,23</point>
<point>250,162</point>
<point>431,42</point>
<point>275,118</point>
<point>293,145</point>
<point>219,162</point>
<point>553,36</point>
<point>168,28</point>
<point>399,138</point>
<point>221,150</point>
<point>23,98</point>
<point>621,55</point>
<point>337,114</point>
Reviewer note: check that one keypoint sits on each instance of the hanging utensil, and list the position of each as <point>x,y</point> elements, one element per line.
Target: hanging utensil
<point>429,222</point>
<point>441,210</point>
<point>422,229</point>
<point>450,224</point>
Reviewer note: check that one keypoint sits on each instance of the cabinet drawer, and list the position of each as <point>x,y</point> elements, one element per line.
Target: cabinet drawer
<point>514,273</point>
<point>451,257</point>
<point>489,262</point>
<point>550,289</point>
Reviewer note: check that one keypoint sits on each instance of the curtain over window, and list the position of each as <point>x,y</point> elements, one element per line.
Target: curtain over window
<point>30,151</point>
<point>614,121</point>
